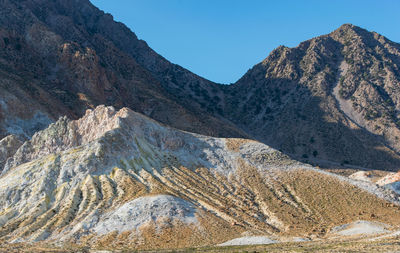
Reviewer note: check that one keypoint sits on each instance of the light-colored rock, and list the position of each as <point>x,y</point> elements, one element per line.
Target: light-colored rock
<point>362,176</point>
<point>120,176</point>
<point>159,209</point>
<point>361,228</point>
<point>249,240</point>
<point>389,179</point>
<point>8,146</point>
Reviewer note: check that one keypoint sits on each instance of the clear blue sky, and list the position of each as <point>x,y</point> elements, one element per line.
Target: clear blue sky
<point>221,39</point>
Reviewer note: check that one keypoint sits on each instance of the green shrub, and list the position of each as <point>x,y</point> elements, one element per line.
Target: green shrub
<point>6,41</point>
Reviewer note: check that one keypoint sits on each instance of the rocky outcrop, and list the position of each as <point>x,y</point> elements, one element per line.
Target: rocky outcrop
<point>8,146</point>
<point>390,181</point>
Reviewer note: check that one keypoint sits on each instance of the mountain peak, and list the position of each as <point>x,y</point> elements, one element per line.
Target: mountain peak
<point>347,26</point>
<point>347,31</point>
<point>350,69</point>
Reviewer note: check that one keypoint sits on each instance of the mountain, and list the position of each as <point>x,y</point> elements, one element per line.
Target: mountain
<point>62,57</point>
<point>334,97</point>
<point>120,180</point>
<point>104,144</point>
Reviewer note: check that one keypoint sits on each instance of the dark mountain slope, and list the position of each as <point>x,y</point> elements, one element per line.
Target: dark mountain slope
<point>62,57</point>
<point>334,97</point>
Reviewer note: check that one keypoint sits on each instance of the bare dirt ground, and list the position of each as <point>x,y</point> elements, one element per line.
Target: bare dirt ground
<point>359,245</point>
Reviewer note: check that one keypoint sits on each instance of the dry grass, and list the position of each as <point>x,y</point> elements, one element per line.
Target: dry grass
<point>279,203</point>
<point>387,245</point>
<point>234,144</point>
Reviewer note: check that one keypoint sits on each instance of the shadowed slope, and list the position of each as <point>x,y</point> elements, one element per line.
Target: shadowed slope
<point>334,97</point>
<point>62,57</point>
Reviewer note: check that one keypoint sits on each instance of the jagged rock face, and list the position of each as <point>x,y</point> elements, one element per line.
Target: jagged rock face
<point>62,57</point>
<point>334,97</point>
<point>119,179</point>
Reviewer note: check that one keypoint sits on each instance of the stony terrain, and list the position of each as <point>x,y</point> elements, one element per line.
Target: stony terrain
<point>302,151</point>
<point>331,99</point>
<point>118,180</point>
<point>334,97</point>
<point>62,57</point>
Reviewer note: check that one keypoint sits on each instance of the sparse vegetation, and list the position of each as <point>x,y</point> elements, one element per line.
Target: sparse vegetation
<point>239,186</point>
<point>6,41</point>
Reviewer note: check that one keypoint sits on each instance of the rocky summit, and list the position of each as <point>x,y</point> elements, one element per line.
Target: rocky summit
<point>117,179</point>
<point>106,145</point>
